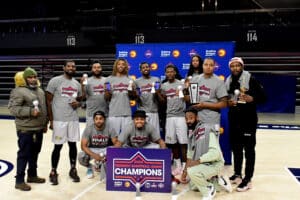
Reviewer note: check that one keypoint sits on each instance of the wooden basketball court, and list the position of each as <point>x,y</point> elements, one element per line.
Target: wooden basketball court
<point>276,151</point>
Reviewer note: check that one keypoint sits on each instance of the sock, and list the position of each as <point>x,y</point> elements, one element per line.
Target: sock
<point>183,165</point>
<point>177,162</point>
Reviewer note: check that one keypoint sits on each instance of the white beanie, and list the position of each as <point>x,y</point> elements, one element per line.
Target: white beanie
<point>236,59</point>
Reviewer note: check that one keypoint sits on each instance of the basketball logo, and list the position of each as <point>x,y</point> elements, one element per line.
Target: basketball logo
<point>176,53</point>
<point>221,52</point>
<point>154,66</point>
<point>132,103</point>
<point>132,53</point>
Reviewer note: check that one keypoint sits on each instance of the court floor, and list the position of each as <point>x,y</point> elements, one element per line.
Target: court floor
<point>276,151</point>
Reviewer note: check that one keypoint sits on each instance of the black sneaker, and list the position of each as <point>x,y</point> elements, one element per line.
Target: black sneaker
<point>236,179</point>
<point>244,186</point>
<point>53,177</point>
<point>73,175</point>
<point>35,179</point>
<point>23,186</point>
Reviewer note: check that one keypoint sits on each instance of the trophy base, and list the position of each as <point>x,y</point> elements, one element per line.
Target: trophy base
<point>241,102</point>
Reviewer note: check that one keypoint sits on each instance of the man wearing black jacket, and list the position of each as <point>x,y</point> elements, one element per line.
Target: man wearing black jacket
<point>246,93</point>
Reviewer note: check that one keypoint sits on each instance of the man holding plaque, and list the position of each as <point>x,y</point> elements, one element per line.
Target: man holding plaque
<point>147,98</point>
<point>246,92</point>
<point>208,93</point>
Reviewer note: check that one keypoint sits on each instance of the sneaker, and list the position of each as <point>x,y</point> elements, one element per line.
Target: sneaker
<point>236,179</point>
<point>23,186</point>
<point>211,193</point>
<point>35,179</point>
<point>225,183</point>
<point>89,173</point>
<point>53,177</point>
<point>244,186</point>
<point>73,175</point>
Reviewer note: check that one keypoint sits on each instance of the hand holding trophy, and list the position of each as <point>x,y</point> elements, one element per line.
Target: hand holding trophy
<point>130,85</point>
<point>85,77</point>
<point>242,95</point>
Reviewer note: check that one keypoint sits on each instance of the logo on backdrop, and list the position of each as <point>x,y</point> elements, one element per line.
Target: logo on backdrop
<point>176,53</point>
<point>221,52</point>
<point>148,54</point>
<point>132,53</point>
<point>154,66</point>
<point>138,169</point>
<point>5,167</point>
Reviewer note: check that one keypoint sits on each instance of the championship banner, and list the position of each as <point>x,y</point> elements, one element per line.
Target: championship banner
<point>150,168</point>
<point>159,55</point>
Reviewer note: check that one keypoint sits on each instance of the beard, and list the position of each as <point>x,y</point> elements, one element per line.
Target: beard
<point>70,73</point>
<point>192,126</point>
<point>97,75</point>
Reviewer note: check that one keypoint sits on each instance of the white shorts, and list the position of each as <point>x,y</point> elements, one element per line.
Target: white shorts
<point>176,130</point>
<point>65,132</point>
<point>118,123</point>
<point>154,120</point>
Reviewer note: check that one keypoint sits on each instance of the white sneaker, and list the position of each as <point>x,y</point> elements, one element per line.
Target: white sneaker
<point>211,193</point>
<point>89,173</point>
<point>225,183</point>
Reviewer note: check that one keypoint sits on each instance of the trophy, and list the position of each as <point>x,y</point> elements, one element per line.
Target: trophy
<point>138,190</point>
<point>180,91</point>
<point>174,185</point>
<point>130,85</point>
<point>73,97</point>
<point>236,95</point>
<point>193,90</point>
<point>103,168</point>
<point>107,86</point>
<point>36,105</point>
<point>153,88</point>
<point>242,92</point>
<point>85,77</point>
<point>157,85</point>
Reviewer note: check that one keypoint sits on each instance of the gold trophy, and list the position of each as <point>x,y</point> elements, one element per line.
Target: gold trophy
<point>242,94</point>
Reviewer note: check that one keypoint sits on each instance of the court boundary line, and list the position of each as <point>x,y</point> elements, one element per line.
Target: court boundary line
<point>86,190</point>
<point>292,175</point>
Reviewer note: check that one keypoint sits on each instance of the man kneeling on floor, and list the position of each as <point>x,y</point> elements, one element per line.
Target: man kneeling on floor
<point>95,139</point>
<point>140,134</point>
<point>205,160</point>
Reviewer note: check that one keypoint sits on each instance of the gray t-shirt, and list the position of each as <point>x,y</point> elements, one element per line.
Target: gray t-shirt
<point>210,90</point>
<point>149,103</point>
<point>63,91</point>
<point>138,138</point>
<point>175,105</point>
<point>98,138</point>
<point>95,96</point>
<point>119,105</point>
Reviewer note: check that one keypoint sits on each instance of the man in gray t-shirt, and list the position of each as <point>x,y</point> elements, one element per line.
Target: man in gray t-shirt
<point>147,100</point>
<point>119,90</point>
<point>140,134</point>
<point>94,93</point>
<point>63,96</point>
<point>95,139</point>
<point>212,93</point>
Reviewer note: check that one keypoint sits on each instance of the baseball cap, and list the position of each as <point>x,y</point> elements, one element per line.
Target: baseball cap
<point>99,113</point>
<point>139,113</point>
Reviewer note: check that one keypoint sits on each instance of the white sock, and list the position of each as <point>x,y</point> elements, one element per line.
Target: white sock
<point>177,162</point>
<point>183,165</point>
